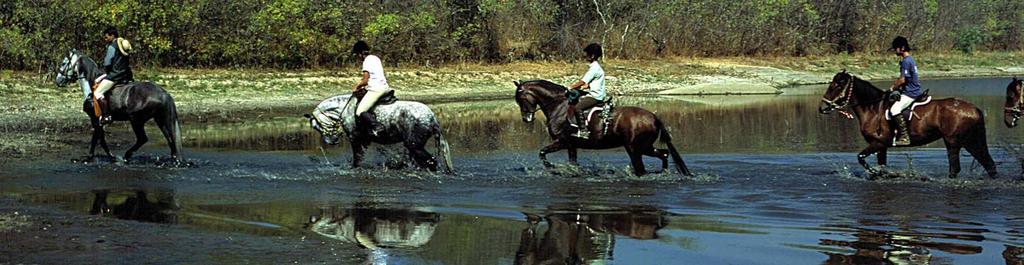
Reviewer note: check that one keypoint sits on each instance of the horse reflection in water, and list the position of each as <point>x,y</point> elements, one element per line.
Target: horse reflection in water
<point>377,229</point>
<point>138,206</point>
<point>889,247</point>
<point>1013,255</point>
<point>582,237</point>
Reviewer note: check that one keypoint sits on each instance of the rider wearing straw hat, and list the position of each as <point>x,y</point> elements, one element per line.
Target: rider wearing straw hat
<point>116,65</point>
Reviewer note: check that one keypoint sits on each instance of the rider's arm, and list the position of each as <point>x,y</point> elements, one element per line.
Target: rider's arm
<point>903,77</point>
<point>584,83</point>
<point>898,83</point>
<point>579,84</point>
<point>109,58</point>
<point>363,82</point>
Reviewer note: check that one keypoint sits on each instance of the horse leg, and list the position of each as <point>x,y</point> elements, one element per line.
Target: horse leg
<point>139,127</point>
<point>168,132</point>
<point>871,149</point>
<point>95,140</point>
<point>572,156</point>
<point>553,147</point>
<point>883,158</point>
<point>420,155</point>
<point>979,151</point>
<point>953,154</point>
<point>99,135</point>
<point>636,159</point>
<point>358,150</point>
<point>660,154</point>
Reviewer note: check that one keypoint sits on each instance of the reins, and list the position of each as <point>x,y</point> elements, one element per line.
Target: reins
<point>1016,109</point>
<point>846,98</point>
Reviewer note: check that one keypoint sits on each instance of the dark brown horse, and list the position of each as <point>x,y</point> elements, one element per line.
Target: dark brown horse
<point>1014,108</point>
<point>1014,103</point>
<point>955,121</point>
<point>634,128</point>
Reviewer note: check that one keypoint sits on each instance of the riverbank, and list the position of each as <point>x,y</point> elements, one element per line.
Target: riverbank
<point>35,115</point>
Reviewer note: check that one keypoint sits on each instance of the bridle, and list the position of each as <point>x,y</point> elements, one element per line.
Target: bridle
<point>72,67</point>
<point>336,128</point>
<point>1016,109</point>
<point>844,96</point>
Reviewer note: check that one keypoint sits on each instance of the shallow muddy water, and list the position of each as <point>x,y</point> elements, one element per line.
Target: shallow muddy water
<point>777,183</point>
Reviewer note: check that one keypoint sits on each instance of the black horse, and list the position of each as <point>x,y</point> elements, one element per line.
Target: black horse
<point>634,128</point>
<point>136,102</point>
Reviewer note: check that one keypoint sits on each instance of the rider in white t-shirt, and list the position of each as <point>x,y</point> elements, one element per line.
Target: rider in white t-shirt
<point>593,83</point>
<point>374,82</point>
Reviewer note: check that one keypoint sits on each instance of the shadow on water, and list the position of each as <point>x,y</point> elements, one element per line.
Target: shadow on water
<point>138,206</point>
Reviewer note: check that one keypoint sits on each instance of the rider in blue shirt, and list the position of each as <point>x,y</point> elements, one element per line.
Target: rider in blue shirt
<point>909,86</point>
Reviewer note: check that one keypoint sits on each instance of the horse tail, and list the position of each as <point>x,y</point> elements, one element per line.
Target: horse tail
<point>174,121</point>
<point>978,144</point>
<point>666,139</point>
<point>444,156</point>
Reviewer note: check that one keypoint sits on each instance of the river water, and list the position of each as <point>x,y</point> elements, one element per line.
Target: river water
<point>777,183</point>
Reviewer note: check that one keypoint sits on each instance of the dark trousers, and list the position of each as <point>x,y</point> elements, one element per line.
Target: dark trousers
<point>584,104</point>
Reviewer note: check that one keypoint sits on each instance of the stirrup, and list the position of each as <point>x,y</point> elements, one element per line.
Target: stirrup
<point>106,119</point>
<point>582,133</point>
<point>896,141</point>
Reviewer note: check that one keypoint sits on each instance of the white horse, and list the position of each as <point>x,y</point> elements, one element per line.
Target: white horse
<point>407,122</point>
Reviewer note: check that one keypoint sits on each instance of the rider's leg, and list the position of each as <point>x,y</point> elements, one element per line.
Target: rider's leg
<point>903,136</point>
<point>366,120</point>
<point>86,90</point>
<point>584,104</point>
<point>100,96</point>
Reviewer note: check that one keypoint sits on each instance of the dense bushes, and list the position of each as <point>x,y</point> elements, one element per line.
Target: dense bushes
<point>318,33</point>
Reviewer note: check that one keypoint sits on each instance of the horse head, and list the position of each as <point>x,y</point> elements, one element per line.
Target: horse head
<point>839,93</point>
<point>527,101</point>
<point>1014,102</point>
<point>329,129</point>
<point>67,72</point>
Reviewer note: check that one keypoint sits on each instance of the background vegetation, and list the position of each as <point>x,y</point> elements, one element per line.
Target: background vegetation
<point>318,33</point>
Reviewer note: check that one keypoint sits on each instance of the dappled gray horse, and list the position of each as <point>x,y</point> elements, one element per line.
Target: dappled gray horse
<point>136,102</point>
<point>406,122</point>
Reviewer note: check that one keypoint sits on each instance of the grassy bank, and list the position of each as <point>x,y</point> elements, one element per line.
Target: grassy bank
<point>33,112</point>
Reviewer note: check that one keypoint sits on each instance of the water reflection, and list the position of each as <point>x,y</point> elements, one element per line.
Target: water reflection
<point>773,123</point>
<point>137,205</point>
<point>577,236</point>
<point>1013,255</point>
<point>375,228</point>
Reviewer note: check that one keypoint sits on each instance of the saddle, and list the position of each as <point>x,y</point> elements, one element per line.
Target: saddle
<point>908,113</point>
<point>604,110</point>
<point>386,99</point>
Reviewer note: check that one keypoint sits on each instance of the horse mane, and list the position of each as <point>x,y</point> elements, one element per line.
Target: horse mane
<point>93,69</point>
<point>1013,84</point>
<point>548,85</point>
<point>868,84</point>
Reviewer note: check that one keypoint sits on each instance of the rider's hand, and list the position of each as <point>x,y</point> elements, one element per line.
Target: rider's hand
<point>894,96</point>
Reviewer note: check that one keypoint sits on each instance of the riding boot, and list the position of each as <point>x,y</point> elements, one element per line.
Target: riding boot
<point>582,131</point>
<point>902,132</point>
<point>104,111</point>
<point>369,123</point>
